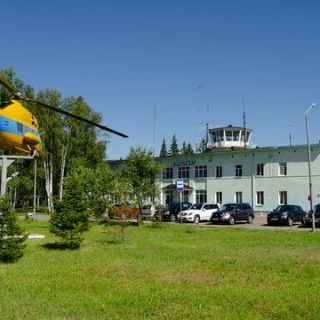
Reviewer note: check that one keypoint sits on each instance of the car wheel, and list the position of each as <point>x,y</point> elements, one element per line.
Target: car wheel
<point>269,222</point>
<point>290,221</point>
<point>196,219</point>
<point>173,218</point>
<point>231,221</point>
<point>249,219</point>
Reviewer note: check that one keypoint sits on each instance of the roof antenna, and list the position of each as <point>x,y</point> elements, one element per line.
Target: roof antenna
<point>243,114</point>
<point>244,122</point>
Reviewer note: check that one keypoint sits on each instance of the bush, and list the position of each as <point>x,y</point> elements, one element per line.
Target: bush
<point>120,212</point>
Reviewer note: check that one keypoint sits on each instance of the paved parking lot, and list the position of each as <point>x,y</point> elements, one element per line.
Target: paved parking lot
<point>260,222</point>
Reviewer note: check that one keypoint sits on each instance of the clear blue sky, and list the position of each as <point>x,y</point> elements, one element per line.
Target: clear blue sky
<point>158,68</point>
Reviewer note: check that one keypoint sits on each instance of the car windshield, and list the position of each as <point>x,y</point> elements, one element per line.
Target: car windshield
<point>282,209</point>
<point>196,206</point>
<point>228,207</point>
<point>147,207</point>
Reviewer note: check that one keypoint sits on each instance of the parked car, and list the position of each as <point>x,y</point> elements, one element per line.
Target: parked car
<point>198,212</point>
<point>148,211</point>
<point>171,211</point>
<point>286,214</point>
<point>307,220</point>
<point>233,212</point>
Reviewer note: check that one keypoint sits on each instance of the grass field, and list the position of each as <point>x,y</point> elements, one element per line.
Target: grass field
<point>172,272</point>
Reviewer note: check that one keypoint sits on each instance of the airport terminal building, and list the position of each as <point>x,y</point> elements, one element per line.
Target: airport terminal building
<point>234,170</point>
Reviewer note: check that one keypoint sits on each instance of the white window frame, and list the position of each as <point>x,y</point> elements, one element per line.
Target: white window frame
<point>218,171</point>
<point>260,170</point>
<point>259,198</point>
<point>238,169</point>
<point>201,196</point>
<point>238,197</point>
<point>167,173</point>
<point>200,172</point>
<point>183,172</point>
<point>283,197</point>
<point>283,169</point>
<point>219,197</point>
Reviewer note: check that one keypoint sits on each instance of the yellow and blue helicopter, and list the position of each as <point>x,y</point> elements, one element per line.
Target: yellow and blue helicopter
<point>19,129</point>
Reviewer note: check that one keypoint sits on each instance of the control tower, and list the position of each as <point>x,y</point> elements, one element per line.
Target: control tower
<point>229,137</point>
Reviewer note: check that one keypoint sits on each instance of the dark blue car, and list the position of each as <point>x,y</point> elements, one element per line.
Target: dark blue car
<point>286,214</point>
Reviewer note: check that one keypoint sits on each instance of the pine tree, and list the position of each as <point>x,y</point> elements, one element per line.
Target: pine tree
<point>174,149</point>
<point>189,149</point>
<point>184,148</point>
<point>203,146</point>
<point>71,217</point>
<point>12,237</point>
<point>163,151</point>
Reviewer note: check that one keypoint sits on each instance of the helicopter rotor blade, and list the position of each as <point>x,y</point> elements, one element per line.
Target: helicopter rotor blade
<point>72,115</point>
<point>10,88</point>
<point>19,96</point>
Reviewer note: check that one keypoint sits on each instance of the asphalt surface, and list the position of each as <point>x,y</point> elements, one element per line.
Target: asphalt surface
<point>260,222</point>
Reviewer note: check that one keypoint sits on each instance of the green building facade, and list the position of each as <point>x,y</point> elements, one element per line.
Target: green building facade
<point>264,177</point>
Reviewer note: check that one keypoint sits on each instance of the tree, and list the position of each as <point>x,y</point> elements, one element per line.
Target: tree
<point>141,172</point>
<point>184,148</point>
<point>163,151</point>
<point>12,237</point>
<point>71,216</point>
<point>83,146</point>
<point>189,149</point>
<point>174,149</point>
<point>51,124</point>
<point>202,148</point>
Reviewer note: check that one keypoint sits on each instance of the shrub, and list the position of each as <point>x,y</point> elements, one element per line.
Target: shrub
<point>119,212</point>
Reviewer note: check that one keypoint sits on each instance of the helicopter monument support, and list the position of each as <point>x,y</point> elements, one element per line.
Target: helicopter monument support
<point>5,162</point>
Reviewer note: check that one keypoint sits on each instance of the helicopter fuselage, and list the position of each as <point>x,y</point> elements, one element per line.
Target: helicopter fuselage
<point>18,129</point>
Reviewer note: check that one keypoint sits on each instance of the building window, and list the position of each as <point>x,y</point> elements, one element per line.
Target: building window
<point>167,173</point>
<point>200,171</point>
<point>260,169</point>
<point>239,197</point>
<point>201,196</point>
<point>283,197</point>
<point>185,196</point>
<point>219,197</point>
<point>283,169</point>
<point>168,196</point>
<point>218,172</point>
<point>238,170</point>
<point>183,172</point>
<point>260,198</point>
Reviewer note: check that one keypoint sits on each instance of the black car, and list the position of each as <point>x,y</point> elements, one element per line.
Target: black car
<point>233,212</point>
<point>307,221</point>
<point>286,214</point>
<point>171,211</point>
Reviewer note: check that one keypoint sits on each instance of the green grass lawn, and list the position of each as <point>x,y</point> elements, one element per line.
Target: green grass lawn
<point>172,272</point>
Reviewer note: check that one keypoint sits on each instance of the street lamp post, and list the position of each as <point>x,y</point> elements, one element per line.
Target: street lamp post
<point>309,166</point>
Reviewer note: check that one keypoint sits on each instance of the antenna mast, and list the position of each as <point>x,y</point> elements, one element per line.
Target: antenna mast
<point>244,122</point>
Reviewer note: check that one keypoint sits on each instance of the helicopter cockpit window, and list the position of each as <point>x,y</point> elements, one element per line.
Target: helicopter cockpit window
<point>19,127</point>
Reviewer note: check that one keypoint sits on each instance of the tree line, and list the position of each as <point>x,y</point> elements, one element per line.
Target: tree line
<point>72,148</point>
<point>186,148</point>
